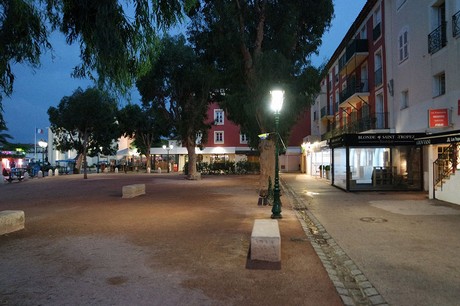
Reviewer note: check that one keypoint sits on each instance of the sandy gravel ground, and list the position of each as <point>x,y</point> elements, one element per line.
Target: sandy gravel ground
<point>183,243</point>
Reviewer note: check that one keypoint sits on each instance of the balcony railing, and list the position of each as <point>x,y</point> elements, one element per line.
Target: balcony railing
<point>437,39</point>
<point>353,87</point>
<point>355,46</point>
<point>456,24</point>
<point>372,122</point>
<point>325,112</point>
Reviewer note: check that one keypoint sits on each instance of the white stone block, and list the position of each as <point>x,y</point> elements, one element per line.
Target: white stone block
<point>266,241</point>
<point>11,221</point>
<point>131,191</point>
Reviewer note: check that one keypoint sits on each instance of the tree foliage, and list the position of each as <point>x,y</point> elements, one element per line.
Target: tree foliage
<point>85,122</point>
<point>259,45</point>
<point>145,124</point>
<point>180,84</point>
<point>3,135</point>
<point>115,37</point>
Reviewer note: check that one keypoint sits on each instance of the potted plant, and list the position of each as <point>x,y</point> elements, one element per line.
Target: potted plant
<point>327,168</point>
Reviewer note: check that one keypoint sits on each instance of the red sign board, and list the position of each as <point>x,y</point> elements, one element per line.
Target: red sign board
<point>438,118</point>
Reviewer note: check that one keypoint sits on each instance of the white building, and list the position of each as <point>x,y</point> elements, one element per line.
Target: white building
<point>423,71</point>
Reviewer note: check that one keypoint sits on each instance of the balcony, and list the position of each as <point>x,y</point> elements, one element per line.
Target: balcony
<point>437,39</point>
<point>355,92</point>
<point>456,24</point>
<point>376,121</point>
<point>357,51</point>
<point>326,114</point>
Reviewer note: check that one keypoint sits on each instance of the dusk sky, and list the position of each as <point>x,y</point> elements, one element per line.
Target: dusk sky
<point>35,91</point>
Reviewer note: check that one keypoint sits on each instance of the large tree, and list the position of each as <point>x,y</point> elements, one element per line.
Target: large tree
<point>145,124</point>
<point>114,36</point>
<point>180,83</point>
<point>85,122</point>
<point>3,135</point>
<point>259,45</point>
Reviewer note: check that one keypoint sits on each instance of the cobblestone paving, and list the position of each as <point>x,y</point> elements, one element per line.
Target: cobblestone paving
<point>351,284</point>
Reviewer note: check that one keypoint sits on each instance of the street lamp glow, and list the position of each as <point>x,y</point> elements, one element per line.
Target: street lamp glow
<point>277,100</point>
<point>276,105</point>
<point>168,148</point>
<point>43,144</point>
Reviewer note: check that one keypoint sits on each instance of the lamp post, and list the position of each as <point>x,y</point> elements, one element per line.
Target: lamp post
<point>276,104</point>
<point>167,148</point>
<point>43,144</point>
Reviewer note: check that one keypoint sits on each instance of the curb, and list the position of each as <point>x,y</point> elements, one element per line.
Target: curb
<point>351,284</point>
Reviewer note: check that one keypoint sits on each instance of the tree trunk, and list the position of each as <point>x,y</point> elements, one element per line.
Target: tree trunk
<point>148,163</point>
<point>267,165</point>
<point>78,162</point>
<point>193,174</point>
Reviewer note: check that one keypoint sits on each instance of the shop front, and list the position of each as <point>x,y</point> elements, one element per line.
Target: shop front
<point>443,162</point>
<point>376,162</point>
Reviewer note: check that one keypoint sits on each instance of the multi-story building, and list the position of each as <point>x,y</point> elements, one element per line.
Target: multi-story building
<point>423,70</point>
<point>392,86</point>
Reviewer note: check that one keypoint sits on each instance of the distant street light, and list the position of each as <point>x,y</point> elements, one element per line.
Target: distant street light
<point>276,105</point>
<point>168,148</point>
<point>43,144</point>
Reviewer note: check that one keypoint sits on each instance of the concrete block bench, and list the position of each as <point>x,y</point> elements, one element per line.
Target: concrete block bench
<point>11,221</point>
<point>131,191</point>
<point>266,241</point>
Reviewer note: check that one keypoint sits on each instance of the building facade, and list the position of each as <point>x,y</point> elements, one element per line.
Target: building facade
<point>389,105</point>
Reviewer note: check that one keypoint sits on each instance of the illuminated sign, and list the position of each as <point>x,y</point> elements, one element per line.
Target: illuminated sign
<point>438,118</point>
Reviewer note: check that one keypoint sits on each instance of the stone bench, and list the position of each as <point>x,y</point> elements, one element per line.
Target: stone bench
<point>266,241</point>
<point>131,191</point>
<point>11,221</point>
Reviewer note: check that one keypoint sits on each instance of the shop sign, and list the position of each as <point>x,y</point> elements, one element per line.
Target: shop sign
<point>375,140</point>
<point>438,118</point>
<point>447,137</point>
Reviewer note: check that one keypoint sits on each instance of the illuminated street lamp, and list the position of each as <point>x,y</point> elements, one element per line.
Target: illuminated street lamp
<point>276,105</point>
<point>168,148</point>
<point>43,144</point>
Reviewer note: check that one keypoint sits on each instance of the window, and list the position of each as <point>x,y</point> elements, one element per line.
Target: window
<point>199,137</point>
<point>378,69</point>
<point>336,69</point>
<point>403,45</point>
<point>456,24</point>
<point>331,103</point>
<point>379,112</point>
<point>218,137</point>
<point>437,39</point>
<point>405,99</point>
<point>218,117</point>
<point>337,100</point>
<point>363,32</point>
<point>439,84</point>
<point>243,139</point>
<point>377,31</point>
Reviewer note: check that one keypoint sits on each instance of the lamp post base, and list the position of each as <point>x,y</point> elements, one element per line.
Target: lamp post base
<point>276,216</point>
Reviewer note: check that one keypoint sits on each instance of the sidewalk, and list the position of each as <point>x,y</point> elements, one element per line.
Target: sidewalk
<point>398,248</point>
<point>183,243</point>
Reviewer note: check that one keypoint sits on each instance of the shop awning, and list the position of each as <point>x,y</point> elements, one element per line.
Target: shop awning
<point>439,138</point>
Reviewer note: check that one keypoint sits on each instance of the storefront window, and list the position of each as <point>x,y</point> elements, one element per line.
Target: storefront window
<point>395,168</point>
<point>340,168</point>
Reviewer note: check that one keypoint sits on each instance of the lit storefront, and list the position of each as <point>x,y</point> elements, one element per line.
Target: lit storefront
<point>376,162</point>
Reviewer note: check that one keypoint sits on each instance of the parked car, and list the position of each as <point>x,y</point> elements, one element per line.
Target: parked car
<point>34,167</point>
